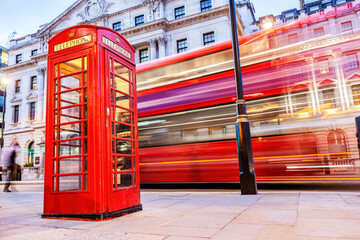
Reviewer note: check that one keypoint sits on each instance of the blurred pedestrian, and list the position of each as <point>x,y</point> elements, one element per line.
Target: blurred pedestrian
<point>9,157</point>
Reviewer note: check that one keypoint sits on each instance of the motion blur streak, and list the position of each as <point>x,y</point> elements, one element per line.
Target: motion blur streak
<point>302,88</point>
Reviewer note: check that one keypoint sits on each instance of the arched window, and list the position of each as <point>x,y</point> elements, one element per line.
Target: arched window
<point>337,144</point>
<point>31,153</point>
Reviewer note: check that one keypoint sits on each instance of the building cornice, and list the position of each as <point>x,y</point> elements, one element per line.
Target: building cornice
<point>113,14</point>
<point>301,48</point>
<point>17,130</point>
<point>177,23</point>
<point>19,66</point>
<point>199,17</point>
<point>40,57</point>
<point>157,24</point>
<point>20,45</point>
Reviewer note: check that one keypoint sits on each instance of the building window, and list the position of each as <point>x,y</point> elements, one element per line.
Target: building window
<point>289,14</point>
<point>144,55</point>
<point>288,19</point>
<point>324,66</point>
<point>17,86</point>
<point>179,12</point>
<point>205,5</point>
<point>18,58</point>
<point>16,114</point>
<point>338,2</point>
<point>297,71</point>
<point>329,98</point>
<point>337,144</point>
<point>117,26</point>
<point>346,26</point>
<point>181,45</point>
<point>139,20</point>
<point>293,38</point>
<point>32,111</point>
<point>34,52</point>
<point>352,61</point>
<point>318,32</point>
<point>272,42</point>
<point>33,83</point>
<point>356,94</point>
<point>314,8</point>
<point>209,38</point>
<point>31,153</point>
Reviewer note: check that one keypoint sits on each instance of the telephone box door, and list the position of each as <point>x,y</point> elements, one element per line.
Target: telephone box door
<point>68,168</point>
<point>121,120</point>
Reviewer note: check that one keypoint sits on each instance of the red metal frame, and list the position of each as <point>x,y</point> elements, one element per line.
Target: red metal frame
<point>89,132</point>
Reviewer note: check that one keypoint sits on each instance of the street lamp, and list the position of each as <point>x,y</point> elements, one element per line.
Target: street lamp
<point>267,22</point>
<point>267,25</point>
<point>243,137</point>
<point>4,82</point>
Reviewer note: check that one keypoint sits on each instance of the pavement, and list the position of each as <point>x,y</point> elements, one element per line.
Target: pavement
<point>197,215</point>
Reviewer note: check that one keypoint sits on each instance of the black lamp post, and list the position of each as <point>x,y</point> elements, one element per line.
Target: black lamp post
<point>245,154</point>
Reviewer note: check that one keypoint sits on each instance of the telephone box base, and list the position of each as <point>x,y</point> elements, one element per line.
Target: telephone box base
<point>95,216</point>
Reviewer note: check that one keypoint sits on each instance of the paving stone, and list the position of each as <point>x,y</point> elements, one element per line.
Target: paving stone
<point>325,204</point>
<point>267,216</point>
<point>320,238</point>
<point>320,196</point>
<point>322,227</point>
<point>255,231</point>
<point>185,238</point>
<point>203,220</point>
<point>329,214</point>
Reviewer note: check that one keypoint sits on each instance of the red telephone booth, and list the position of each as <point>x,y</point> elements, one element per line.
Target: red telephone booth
<point>91,165</point>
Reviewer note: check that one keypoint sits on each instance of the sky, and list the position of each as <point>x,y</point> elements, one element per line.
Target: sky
<point>25,16</point>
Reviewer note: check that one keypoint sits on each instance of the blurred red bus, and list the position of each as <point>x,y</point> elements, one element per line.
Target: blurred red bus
<point>301,99</point>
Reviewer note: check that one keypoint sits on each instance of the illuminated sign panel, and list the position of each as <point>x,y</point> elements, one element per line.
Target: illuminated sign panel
<point>116,47</point>
<point>72,43</point>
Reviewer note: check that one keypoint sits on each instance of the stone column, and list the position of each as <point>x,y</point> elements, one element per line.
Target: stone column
<point>162,50</point>
<point>152,49</point>
<point>313,86</point>
<point>305,32</point>
<point>343,82</point>
<point>41,87</point>
<point>334,26</point>
<point>337,59</point>
<point>106,21</point>
<point>356,21</point>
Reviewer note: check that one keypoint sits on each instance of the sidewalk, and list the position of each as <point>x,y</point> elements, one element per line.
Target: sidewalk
<point>197,215</point>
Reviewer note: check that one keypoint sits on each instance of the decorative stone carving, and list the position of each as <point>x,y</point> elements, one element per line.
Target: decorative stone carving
<point>16,99</point>
<point>94,9</point>
<point>309,60</point>
<point>41,70</point>
<point>162,40</point>
<point>152,43</point>
<point>43,43</point>
<point>31,95</point>
<point>337,55</point>
<point>156,10</point>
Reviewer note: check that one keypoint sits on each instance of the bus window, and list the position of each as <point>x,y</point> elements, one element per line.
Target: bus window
<point>337,144</point>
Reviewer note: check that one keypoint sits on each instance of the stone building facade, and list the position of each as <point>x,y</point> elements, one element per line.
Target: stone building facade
<point>307,8</point>
<point>155,28</point>
<point>325,61</point>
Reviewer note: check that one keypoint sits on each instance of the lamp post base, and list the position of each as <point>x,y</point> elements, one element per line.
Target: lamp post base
<point>248,183</point>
